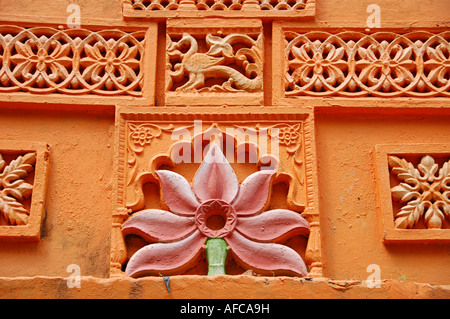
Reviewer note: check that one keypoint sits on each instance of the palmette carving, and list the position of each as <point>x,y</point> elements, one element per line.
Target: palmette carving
<point>233,62</point>
<point>14,189</point>
<point>383,64</point>
<point>424,192</point>
<point>76,61</point>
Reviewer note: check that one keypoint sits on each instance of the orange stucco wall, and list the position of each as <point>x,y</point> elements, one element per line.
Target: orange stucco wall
<point>346,144</point>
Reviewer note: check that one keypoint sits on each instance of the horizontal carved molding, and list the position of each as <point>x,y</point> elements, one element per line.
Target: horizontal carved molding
<point>76,61</point>
<point>414,189</point>
<point>354,64</point>
<point>223,8</point>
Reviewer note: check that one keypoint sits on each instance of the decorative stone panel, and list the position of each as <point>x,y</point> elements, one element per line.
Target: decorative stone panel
<point>414,189</point>
<point>356,64</point>
<point>23,180</point>
<point>169,150</point>
<point>287,9</point>
<point>50,62</point>
<point>214,62</point>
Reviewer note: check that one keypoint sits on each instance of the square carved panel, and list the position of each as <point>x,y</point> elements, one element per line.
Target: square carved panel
<point>349,64</point>
<point>23,181</point>
<point>286,9</point>
<point>164,157</point>
<point>414,192</point>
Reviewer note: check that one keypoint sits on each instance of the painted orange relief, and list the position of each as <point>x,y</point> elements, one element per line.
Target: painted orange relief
<point>415,178</point>
<point>278,149</point>
<point>354,64</point>
<point>47,60</point>
<point>424,192</point>
<point>23,179</point>
<point>225,144</point>
<point>207,65</point>
<point>289,9</point>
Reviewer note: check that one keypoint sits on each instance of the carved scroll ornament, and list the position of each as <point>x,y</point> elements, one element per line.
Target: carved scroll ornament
<point>383,64</point>
<point>14,189</point>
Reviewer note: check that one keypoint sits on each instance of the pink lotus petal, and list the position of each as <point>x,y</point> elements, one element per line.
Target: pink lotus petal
<point>254,193</point>
<point>159,225</point>
<point>277,224</point>
<point>267,258</point>
<point>166,258</point>
<point>177,193</point>
<point>215,179</point>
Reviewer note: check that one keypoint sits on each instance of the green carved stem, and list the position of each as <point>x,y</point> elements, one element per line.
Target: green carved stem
<point>216,254</point>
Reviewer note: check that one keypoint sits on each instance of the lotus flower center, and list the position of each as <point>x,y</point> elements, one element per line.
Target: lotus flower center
<point>215,218</point>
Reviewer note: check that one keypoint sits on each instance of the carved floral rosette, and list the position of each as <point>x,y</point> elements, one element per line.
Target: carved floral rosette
<point>181,139</point>
<point>75,61</point>
<point>354,64</point>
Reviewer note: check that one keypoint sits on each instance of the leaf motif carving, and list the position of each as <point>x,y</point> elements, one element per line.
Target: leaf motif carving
<point>423,194</point>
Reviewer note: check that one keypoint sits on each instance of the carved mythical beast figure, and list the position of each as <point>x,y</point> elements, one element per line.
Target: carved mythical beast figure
<point>236,58</point>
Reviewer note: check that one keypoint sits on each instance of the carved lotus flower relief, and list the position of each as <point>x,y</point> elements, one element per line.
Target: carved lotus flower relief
<point>112,62</point>
<point>215,214</point>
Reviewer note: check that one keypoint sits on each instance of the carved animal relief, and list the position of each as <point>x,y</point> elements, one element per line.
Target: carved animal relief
<point>423,191</point>
<point>215,63</point>
<point>217,5</point>
<point>76,61</point>
<point>383,64</point>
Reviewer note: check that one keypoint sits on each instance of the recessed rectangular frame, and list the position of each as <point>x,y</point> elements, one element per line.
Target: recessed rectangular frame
<point>32,230</point>
<point>124,114</point>
<point>279,98</point>
<point>219,26</point>
<point>389,233</point>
